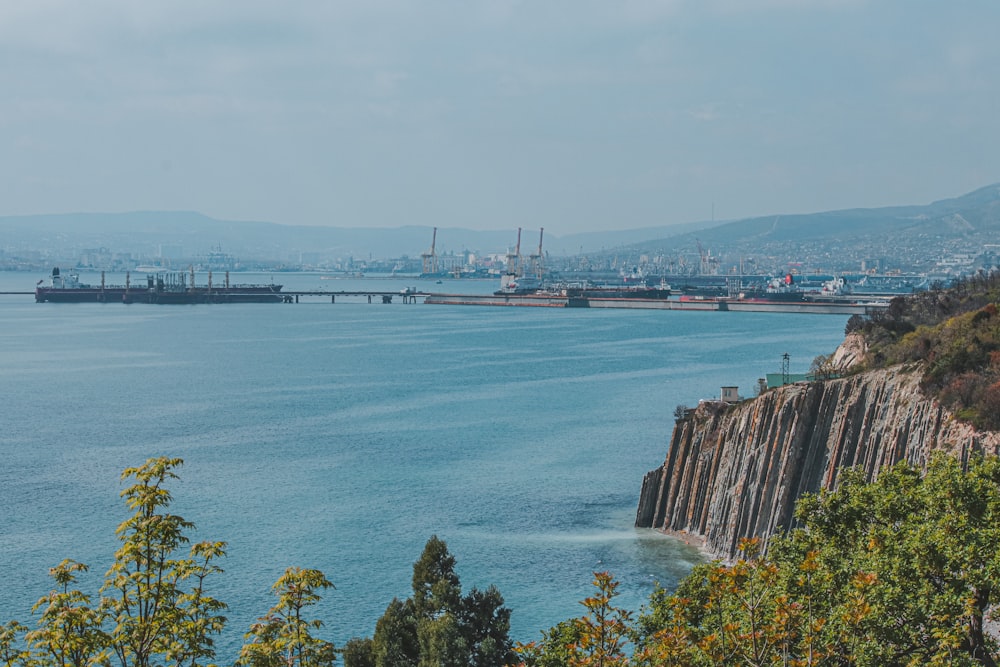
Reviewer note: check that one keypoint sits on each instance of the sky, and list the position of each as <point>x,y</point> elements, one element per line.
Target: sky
<point>572,115</point>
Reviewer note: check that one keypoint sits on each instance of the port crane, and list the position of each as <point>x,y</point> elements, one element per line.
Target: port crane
<point>535,262</point>
<point>430,257</point>
<point>513,272</point>
<point>514,259</point>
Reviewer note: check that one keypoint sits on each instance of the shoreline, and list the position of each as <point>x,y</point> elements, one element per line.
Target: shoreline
<point>690,539</point>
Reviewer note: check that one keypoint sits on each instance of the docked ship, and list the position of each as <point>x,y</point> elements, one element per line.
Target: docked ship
<point>510,284</point>
<point>661,291</point>
<point>781,289</point>
<point>160,288</point>
<point>67,288</point>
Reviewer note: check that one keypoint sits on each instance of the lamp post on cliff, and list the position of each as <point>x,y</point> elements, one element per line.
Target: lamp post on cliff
<point>784,369</point>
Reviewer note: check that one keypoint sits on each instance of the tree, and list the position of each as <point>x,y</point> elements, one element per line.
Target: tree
<point>603,631</point>
<point>854,323</point>
<point>927,543</point>
<point>154,607</point>
<point>143,596</point>
<point>395,642</point>
<point>485,625</point>
<point>12,654</point>
<point>666,635</point>
<point>439,626</point>
<point>897,572</point>
<point>554,649</point>
<point>358,652</point>
<point>597,639</point>
<point>722,614</point>
<point>283,638</point>
<point>441,642</point>
<point>69,632</point>
<point>436,587</point>
<point>822,367</point>
<point>199,615</point>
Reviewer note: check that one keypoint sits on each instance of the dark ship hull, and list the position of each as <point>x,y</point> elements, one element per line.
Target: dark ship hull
<point>618,292</point>
<point>111,294</point>
<point>159,289</point>
<point>236,294</point>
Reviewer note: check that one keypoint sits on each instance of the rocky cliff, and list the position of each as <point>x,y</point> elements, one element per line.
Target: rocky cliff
<point>737,471</point>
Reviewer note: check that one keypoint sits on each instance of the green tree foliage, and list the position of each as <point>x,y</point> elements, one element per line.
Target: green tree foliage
<point>484,622</point>
<point>152,616</point>
<point>599,638</point>
<point>359,652</point>
<point>69,632</point>
<point>822,367</point>
<point>395,642</point>
<point>12,651</point>
<point>153,609</point>
<point>283,637</point>
<point>899,572</point>
<point>436,587</point>
<point>751,612</point>
<point>928,545</point>
<point>953,335</point>
<point>603,631</point>
<point>438,626</point>
<point>556,648</point>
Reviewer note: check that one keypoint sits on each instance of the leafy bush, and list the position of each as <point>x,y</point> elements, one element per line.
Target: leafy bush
<point>954,334</point>
<point>899,572</point>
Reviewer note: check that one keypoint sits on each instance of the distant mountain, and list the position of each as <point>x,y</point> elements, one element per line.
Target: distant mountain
<point>574,244</point>
<point>975,213</point>
<point>144,232</point>
<point>974,217</point>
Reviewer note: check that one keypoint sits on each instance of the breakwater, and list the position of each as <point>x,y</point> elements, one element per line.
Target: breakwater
<point>734,471</point>
<point>830,307</point>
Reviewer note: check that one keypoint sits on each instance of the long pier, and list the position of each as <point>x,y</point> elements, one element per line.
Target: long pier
<point>829,307</point>
<point>825,307</point>
<point>407,296</point>
<point>292,296</point>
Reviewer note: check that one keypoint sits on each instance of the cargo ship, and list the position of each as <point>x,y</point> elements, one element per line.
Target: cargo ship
<point>526,286</point>
<point>618,292</point>
<point>160,288</point>
<point>782,290</point>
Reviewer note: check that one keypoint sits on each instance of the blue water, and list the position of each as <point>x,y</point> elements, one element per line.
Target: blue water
<point>342,436</point>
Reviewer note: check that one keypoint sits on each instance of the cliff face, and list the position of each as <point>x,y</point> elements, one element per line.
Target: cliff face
<point>737,472</point>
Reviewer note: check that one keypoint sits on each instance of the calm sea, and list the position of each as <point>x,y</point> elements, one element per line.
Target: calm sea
<point>342,436</point>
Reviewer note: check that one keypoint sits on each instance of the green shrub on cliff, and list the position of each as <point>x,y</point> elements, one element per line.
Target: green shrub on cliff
<point>954,336</point>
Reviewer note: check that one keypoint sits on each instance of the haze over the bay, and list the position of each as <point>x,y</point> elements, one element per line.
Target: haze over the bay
<point>570,115</point>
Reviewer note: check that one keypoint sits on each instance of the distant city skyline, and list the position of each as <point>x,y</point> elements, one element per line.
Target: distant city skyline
<point>573,116</point>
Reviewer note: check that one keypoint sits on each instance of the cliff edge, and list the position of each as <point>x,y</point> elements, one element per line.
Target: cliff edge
<point>737,471</point>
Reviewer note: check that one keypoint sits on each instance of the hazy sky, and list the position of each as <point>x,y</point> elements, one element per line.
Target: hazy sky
<point>573,115</point>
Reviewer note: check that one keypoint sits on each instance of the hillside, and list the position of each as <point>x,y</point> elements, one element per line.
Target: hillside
<point>969,215</point>
<point>911,239</point>
<point>144,231</point>
<point>914,231</point>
